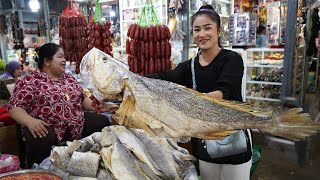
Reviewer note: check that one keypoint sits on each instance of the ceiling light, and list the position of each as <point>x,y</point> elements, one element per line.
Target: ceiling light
<point>34,5</point>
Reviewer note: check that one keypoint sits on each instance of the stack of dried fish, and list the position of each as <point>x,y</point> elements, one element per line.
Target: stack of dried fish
<point>121,153</point>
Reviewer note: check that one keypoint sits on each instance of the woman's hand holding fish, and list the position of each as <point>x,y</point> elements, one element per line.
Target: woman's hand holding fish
<point>108,107</point>
<point>38,128</point>
<point>215,94</point>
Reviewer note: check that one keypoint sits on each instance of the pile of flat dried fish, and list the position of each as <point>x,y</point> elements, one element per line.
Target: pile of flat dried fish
<point>121,153</point>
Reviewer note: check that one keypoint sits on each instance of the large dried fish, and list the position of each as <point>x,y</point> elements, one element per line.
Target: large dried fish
<point>162,107</point>
<point>161,156</point>
<point>145,168</point>
<point>123,166</point>
<point>84,164</point>
<point>136,146</point>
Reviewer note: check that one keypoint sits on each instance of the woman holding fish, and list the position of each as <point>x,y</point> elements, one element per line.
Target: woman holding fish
<point>217,72</point>
<point>50,104</point>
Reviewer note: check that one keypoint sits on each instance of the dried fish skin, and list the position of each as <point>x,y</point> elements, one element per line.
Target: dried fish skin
<point>86,146</point>
<point>96,137</point>
<point>60,157</point>
<point>73,146</point>
<point>84,164</point>
<point>148,173</point>
<point>121,170</point>
<point>95,148</point>
<point>105,175</point>
<point>107,137</point>
<point>162,156</point>
<point>136,146</point>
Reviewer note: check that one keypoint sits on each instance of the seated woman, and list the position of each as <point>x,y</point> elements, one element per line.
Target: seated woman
<point>50,103</point>
<point>13,70</point>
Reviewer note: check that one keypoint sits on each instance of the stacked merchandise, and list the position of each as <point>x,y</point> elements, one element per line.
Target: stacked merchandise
<point>148,46</point>
<point>72,32</point>
<point>99,34</point>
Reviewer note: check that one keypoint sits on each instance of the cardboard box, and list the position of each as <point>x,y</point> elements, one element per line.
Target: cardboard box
<point>9,140</point>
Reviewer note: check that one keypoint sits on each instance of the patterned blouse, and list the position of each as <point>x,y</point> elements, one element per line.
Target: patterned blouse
<point>57,102</point>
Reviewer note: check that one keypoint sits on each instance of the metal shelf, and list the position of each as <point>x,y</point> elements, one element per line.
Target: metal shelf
<point>265,66</point>
<point>265,82</point>
<point>263,99</point>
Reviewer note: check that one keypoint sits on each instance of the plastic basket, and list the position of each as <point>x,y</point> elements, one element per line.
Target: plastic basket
<point>256,156</point>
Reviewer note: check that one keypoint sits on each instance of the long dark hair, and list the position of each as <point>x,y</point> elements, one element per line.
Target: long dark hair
<point>46,51</point>
<point>211,13</point>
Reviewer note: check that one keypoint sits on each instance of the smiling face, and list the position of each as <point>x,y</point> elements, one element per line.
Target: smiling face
<point>205,33</point>
<point>57,65</point>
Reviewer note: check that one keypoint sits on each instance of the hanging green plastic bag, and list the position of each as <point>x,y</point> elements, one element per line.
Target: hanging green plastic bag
<point>97,13</point>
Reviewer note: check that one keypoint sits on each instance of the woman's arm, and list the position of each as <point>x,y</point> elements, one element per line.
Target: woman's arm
<point>37,127</point>
<point>177,75</point>
<point>230,79</point>
<point>87,105</point>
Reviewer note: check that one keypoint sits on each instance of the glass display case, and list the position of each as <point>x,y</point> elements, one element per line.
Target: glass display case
<point>264,71</point>
<point>243,54</point>
<point>129,14</point>
<point>243,29</point>
<point>276,22</point>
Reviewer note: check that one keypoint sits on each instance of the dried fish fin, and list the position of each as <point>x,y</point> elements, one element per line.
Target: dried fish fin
<point>125,113</point>
<point>106,154</point>
<point>126,110</point>
<point>240,106</point>
<point>292,124</point>
<point>218,135</point>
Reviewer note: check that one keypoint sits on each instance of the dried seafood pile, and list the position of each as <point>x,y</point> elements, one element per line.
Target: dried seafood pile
<point>121,153</point>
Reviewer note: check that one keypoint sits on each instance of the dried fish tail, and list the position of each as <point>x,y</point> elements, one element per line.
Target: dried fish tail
<point>292,124</point>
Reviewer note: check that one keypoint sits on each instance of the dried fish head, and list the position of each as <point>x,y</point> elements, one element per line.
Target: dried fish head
<point>106,77</point>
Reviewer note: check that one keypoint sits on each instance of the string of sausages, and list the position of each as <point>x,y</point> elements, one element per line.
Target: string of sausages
<point>99,36</point>
<point>72,33</point>
<point>148,49</point>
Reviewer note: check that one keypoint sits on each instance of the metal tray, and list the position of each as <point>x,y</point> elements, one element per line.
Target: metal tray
<point>30,171</point>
